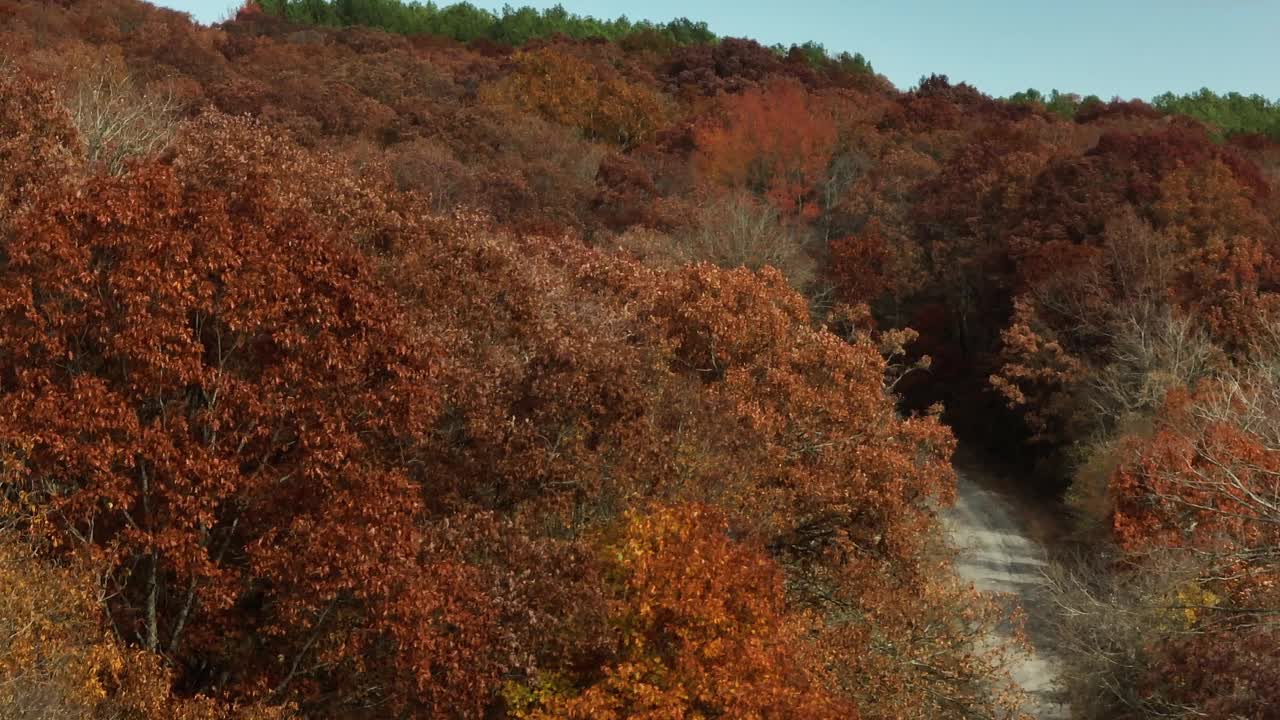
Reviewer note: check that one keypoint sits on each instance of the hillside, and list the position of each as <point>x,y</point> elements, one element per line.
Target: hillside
<point>537,366</point>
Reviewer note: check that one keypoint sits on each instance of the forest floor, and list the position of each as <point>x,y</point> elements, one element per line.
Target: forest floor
<point>1001,541</point>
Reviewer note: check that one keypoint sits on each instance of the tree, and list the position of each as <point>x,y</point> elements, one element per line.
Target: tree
<point>1183,623</point>
<point>1204,479</point>
<point>569,90</point>
<point>960,225</point>
<point>731,65</point>
<point>1148,246</point>
<point>869,267</point>
<point>1231,113</point>
<point>40,145</point>
<point>1061,104</point>
<point>700,626</point>
<point>775,141</point>
<point>117,121</point>
<point>740,231</point>
<point>223,427</point>
<point>585,380</point>
<point>58,660</point>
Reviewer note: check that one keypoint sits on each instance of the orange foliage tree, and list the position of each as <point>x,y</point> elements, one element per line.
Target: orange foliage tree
<point>775,140</point>
<point>699,625</point>
<point>568,89</point>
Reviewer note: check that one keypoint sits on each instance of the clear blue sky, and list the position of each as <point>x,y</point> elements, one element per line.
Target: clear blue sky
<point>1130,48</point>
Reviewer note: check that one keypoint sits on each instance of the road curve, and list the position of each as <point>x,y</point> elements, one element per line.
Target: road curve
<point>1000,558</point>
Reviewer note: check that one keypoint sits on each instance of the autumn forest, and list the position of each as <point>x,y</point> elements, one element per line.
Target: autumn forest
<point>362,359</point>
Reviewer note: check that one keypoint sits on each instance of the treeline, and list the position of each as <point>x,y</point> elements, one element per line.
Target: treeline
<point>1064,105</point>
<point>1230,114</point>
<point>514,26</point>
<point>466,22</point>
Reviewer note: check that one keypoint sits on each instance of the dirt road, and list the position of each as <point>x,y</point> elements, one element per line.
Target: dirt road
<point>1000,557</point>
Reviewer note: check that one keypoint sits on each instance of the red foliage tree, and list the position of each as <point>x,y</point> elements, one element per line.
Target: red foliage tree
<point>731,65</point>
<point>775,140</point>
<point>222,420</point>
<point>40,146</point>
<point>1204,482</point>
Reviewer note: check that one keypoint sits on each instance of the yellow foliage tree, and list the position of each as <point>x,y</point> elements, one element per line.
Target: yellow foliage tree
<point>58,661</point>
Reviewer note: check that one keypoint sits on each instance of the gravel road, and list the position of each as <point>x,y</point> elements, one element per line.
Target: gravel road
<point>999,556</point>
